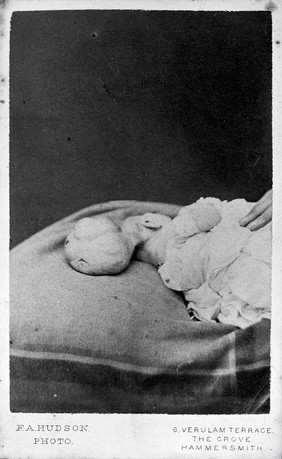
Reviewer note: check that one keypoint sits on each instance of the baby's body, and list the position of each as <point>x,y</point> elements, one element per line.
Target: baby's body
<point>225,273</point>
<point>223,269</point>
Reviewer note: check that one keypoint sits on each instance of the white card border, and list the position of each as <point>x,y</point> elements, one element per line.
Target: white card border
<point>135,436</point>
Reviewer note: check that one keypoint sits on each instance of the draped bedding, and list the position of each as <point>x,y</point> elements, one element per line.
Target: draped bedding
<point>123,343</point>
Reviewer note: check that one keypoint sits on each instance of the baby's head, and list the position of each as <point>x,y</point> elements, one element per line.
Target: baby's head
<point>98,246</point>
<point>103,245</point>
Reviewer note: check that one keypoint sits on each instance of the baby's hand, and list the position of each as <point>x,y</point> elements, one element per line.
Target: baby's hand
<point>206,216</point>
<point>197,218</point>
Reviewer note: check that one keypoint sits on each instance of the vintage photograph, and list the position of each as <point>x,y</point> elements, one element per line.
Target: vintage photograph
<point>140,211</point>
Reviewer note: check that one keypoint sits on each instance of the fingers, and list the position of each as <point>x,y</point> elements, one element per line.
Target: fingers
<point>251,216</point>
<point>258,212</point>
<point>262,220</point>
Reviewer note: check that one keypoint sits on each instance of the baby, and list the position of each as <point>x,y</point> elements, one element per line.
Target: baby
<point>222,268</point>
<point>104,245</point>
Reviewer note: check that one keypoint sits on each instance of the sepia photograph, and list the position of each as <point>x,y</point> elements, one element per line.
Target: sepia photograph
<point>141,228</point>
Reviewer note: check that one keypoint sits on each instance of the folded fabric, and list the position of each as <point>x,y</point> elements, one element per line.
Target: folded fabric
<point>225,273</point>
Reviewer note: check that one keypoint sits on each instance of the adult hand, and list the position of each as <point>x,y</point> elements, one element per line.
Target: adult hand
<point>261,213</point>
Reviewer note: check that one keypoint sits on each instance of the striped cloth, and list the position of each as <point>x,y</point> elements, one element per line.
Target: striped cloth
<point>124,343</point>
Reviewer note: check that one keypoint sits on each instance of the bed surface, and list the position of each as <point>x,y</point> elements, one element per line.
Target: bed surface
<point>124,343</point>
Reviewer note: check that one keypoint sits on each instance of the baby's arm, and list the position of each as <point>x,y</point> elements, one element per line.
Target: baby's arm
<point>197,218</point>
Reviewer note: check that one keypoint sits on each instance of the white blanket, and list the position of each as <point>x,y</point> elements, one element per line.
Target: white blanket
<point>225,273</point>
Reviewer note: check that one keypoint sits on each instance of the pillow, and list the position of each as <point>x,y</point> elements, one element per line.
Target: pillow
<point>122,343</point>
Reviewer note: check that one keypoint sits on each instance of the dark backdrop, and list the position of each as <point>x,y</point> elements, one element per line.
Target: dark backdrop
<point>147,105</point>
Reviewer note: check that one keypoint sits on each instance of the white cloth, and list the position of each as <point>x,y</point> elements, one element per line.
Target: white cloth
<point>225,273</point>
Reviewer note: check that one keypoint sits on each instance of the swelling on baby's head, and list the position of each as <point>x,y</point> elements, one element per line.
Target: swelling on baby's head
<point>103,245</point>
<point>98,246</point>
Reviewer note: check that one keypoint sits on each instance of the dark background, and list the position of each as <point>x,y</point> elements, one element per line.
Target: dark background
<point>147,105</point>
